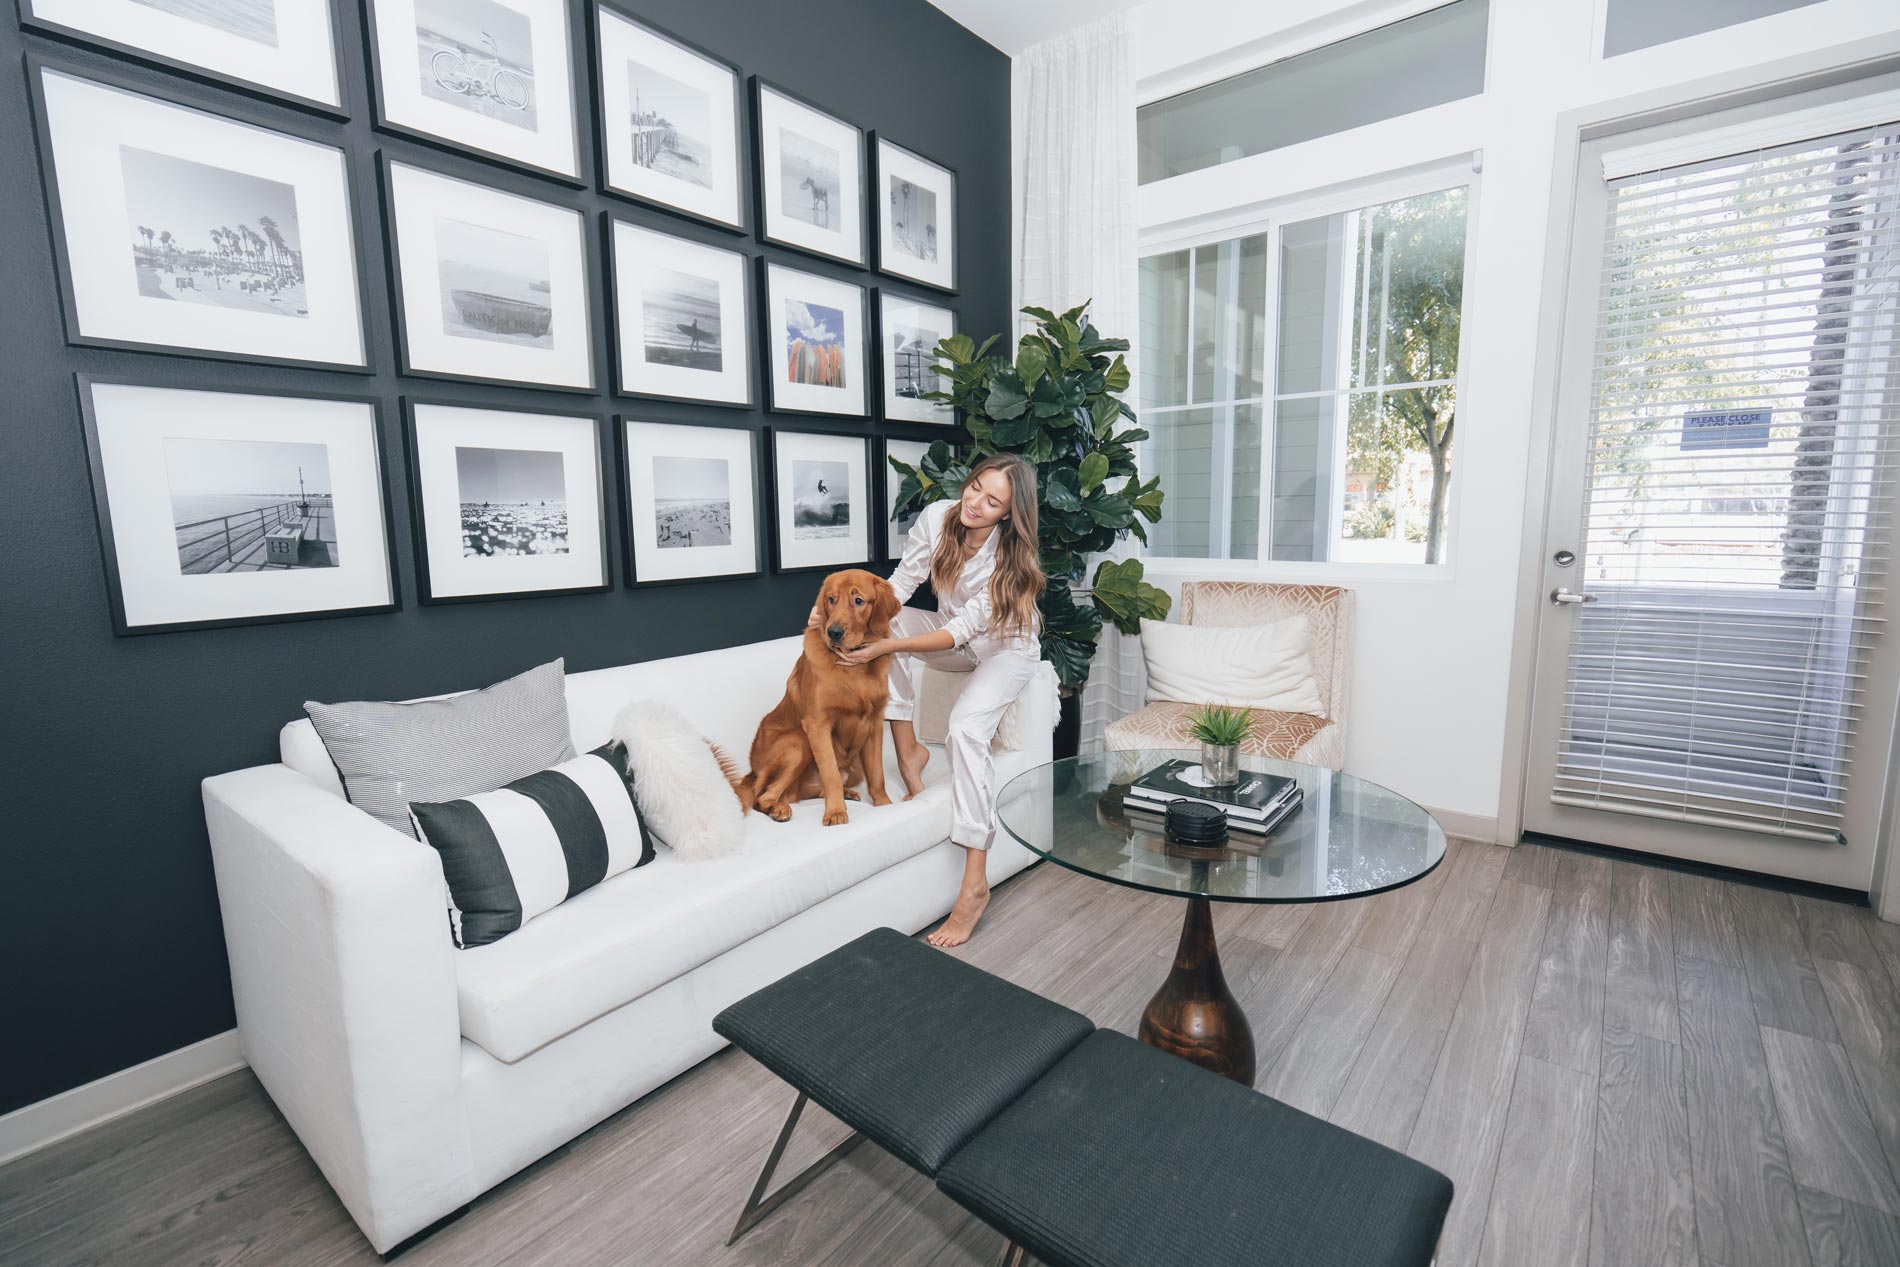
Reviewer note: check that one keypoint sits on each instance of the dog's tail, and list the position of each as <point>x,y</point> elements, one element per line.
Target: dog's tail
<point>741,784</point>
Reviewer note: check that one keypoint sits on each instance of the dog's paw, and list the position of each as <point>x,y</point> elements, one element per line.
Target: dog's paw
<point>836,817</point>
<point>852,796</point>
<point>780,812</point>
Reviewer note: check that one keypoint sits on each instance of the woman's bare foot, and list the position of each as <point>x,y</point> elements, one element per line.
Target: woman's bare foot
<point>963,917</point>
<point>911,765</point>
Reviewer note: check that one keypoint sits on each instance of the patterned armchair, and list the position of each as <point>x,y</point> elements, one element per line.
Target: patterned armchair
<point>1290,736</point>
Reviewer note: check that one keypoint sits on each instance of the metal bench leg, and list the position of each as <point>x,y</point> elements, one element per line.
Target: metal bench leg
<point>756,1209</point>
<point>1014,1255</point>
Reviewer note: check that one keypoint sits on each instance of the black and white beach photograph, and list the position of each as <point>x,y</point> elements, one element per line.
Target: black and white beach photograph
<point>477,55</point>
<point>494,284</point>
<point>669,120</point>
<point>823,515</point>
<point>916,216</point>
<point>250,505</point>
<point>208,235</point>
<point>821,502</point>
<point>811,177</point>
<point>254,20</point>
<point>682,320</point>
<point>669,125</point>
<point>514,501</point>
<point>690,512</point>
<point>908,334</point>
<point>692,503</point>
<point>913,219</point>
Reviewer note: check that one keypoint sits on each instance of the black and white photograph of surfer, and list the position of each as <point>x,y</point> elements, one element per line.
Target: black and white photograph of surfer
<point>821,500</point>
<point>494,284</point>
<point>514,501</point>
<point>680,313</point>
<point>670,125</point>
<point>809,173</point>
<point>478,55</point>
<point>250,505</point>
<point>254,20</point>
<point>692,503</point>
<point>207,235</point>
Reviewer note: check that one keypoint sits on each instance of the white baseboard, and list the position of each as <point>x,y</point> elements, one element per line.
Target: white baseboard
<point>33,1127</point>
<point>1468,826</point>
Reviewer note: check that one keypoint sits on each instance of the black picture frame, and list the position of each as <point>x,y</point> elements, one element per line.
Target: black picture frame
<point>204,74</point>
<point>631,578</point>
<point>744,124</point>
<point>871,537</point>
<point>83,383</point>
<point>392,261</point>
<point>580,102</point>
<point>37,64</point>
<point>882,387</point>
<point>768,342</point>
<point>886,477</point>
<point>418,520</point>
<point>761,182</point>
<point>876,194</point>
<point>610,287</point>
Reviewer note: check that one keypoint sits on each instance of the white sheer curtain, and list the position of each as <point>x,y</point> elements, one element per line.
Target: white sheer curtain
<point>1073,123</point>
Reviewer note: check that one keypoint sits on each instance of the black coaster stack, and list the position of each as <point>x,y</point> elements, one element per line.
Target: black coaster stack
<point>1195,823</point>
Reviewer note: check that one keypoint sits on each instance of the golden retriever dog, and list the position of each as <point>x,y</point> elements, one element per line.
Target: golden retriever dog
<point>827,735</point>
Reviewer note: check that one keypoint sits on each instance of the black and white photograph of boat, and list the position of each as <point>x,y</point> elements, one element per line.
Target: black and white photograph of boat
<point>250,505</point>
<point>670,125</point>
<point>680,313</point>
<point>692,503</point>
<point>914,219</point>
<point>821,500</point>
<point>514,501</point>
<point>247,19</point>
<point>809,175</point>
<point>478,55</point>
<point>208,235</point>
<point>494,284</point>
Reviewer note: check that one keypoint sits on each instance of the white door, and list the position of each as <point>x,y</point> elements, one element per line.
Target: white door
<point>1714,679</point>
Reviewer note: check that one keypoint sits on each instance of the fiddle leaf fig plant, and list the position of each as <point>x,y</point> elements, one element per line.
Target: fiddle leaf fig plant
<point>1058,403</point>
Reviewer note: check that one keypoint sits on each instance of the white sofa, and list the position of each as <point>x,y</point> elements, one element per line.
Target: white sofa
<point>419,1076</point>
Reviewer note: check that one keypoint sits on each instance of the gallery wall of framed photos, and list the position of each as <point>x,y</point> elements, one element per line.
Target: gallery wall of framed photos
<point>379,348</point>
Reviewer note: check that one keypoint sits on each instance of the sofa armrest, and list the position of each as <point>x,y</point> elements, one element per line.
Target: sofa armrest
<point>344,977</point>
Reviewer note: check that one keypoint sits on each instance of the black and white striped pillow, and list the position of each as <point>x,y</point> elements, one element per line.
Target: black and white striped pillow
<point>521,850</point>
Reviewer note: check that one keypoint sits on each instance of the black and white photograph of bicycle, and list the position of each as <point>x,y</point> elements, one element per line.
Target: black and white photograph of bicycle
<point>478,55</point>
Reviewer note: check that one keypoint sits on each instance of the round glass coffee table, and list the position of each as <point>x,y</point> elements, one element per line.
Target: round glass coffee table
<point>1349,838</point>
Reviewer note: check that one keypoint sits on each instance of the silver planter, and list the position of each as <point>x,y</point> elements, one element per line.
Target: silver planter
<point>1220,763</point>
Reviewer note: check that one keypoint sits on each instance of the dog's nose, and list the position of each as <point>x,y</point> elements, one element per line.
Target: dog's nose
<point>835,633</point>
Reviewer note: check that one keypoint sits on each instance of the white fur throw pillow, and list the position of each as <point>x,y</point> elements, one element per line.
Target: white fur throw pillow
<point>679,782</point>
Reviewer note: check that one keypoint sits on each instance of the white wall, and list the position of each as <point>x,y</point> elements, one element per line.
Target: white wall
<point>1432,664</point>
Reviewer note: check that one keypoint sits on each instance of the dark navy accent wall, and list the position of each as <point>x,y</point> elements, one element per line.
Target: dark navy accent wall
<point>110,936</point>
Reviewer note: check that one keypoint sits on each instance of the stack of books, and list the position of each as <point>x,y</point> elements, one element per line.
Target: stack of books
<point>1254,806</point>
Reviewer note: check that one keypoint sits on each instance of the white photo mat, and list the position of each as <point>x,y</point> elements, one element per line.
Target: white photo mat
<point>799,308</point>
<point>91,126</point>
<point>132,425</point>
<point>396,30</point>
<point>791,450</point>
<point>909,452</point>
<point>440,430</point>
<point>899,315</point>
<point>736,447</point>
<point>624,41</point>
<point>419,202</point>
<point>895,163</point>
<point>791,136</point>
<point>296,55</point>
<point>646,265</point>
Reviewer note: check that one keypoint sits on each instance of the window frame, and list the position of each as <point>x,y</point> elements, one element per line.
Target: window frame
<point>1270,218</point>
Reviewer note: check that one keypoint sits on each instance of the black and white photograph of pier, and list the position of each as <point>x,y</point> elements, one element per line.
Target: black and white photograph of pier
<point>914,219</point>
<point>821,500</point>
<point>692,502</point>
<point>478,55</point>
<point>209,235</point>
<point>494,284</point>
<point>248,19</point>
<point>680,315</point>
<point>808,173</point>
<point>514,501</point>
<point>250,505</point>
<point>671,125</point>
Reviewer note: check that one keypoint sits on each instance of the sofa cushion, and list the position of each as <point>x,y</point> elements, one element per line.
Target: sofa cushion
<point>635,932</point>
<point>1166,724</point>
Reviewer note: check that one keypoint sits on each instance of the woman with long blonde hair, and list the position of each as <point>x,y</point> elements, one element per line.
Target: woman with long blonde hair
<point>980,553</point>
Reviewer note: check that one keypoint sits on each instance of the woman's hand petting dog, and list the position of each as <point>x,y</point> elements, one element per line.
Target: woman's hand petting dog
<point>864,654</point>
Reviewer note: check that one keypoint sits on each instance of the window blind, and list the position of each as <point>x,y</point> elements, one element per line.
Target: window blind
<point>1737,497</point>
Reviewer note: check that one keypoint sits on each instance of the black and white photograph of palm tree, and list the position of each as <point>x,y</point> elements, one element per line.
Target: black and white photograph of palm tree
<point>208,235</point>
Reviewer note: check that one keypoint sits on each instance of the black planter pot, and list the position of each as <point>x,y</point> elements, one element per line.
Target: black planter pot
<point>1068,732</point>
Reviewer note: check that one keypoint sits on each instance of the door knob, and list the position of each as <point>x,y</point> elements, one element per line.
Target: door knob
<point>1560,596</point>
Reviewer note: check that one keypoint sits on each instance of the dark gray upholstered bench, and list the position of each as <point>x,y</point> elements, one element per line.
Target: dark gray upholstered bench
<point>1082,1146</point>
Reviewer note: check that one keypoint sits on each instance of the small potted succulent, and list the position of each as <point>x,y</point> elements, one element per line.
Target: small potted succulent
<point>1220,732</point>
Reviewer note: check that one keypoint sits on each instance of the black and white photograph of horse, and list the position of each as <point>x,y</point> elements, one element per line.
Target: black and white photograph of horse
<point>809,175</point>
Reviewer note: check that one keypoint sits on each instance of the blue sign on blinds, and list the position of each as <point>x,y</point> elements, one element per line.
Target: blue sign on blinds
<point>1728,429</point>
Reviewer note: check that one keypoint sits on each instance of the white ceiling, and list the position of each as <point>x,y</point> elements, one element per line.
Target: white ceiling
<point>1013,25</point>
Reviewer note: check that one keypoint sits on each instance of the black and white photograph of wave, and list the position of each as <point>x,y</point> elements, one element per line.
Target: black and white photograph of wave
<point>494,284</point>
<point>680,314</point>
<point>821,500</point>
<point>208,235</point>
<point>514,501</point>
<point>692,502</point>
<point>247,19</point>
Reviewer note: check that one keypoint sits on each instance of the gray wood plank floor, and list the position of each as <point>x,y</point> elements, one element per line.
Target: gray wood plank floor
<point>1617,1066</point>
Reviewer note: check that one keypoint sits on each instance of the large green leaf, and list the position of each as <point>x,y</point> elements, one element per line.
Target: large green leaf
<point>1032,358</point>
<point>1093,471</point>
<point>1063,491</point>
<point>1123,597</point>
<point>1041,314</point>
<point>958,349</point>
<point>1008,397</point>
<point>1118,376</point>
<point>1015,431</point>
<point>1111,510</point>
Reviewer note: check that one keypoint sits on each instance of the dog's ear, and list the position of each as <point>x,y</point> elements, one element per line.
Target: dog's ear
<point>885,608</point>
